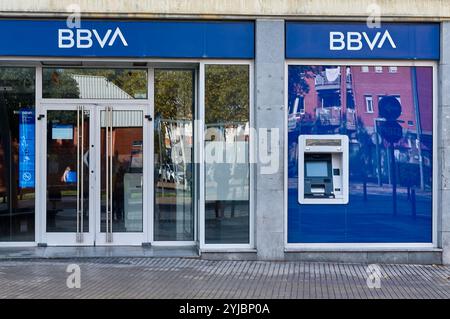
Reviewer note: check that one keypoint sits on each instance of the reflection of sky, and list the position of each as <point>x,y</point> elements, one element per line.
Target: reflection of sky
<point>315,93</point>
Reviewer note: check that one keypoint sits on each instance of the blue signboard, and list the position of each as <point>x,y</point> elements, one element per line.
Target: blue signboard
<point>317,40</point>
<point>26,148</point>
<point>158,39</point>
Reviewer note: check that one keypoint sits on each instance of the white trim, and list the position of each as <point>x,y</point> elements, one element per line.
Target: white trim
<point>201,153</point>
<point>201,138</point>
<point>197,183</point>
<point>292,247</point>
<point>39,162</point>
<point>119,238</point>
<point>368,98</point>
<point>360,247</point>
<point>149,151</point>
<point>94,102</point>
<point>94,234</point>
<point>436,192</point>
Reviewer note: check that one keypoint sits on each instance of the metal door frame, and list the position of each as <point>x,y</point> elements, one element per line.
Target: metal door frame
<point>66,238</point>
<point>94,236</point>
<point>121,238</point>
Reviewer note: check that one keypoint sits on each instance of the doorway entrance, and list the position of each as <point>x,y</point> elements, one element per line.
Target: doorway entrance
<point>95,177</point>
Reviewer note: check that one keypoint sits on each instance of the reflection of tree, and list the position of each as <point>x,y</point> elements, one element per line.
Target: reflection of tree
<point>298,84</point>
<point>227,93</point>
<point>59,83</point>
<point>174,94</point>
<point>21,83</point>
<point>173,101</point>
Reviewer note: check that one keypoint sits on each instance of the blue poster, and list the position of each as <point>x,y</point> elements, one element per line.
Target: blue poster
<point>26,148</point>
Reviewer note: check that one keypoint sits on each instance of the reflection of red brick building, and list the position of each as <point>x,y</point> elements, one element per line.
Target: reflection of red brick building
<point>371,83</point>
<point>364,87</point>
<point>425,90</point>
<point>127,143</point>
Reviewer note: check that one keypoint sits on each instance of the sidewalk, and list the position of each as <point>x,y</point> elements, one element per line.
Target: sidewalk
<point>196,278</point>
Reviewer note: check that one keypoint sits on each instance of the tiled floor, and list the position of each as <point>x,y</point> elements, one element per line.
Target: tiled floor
<point>196,278</point>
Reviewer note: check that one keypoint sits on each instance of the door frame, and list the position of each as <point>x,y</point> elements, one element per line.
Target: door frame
<point>121,238</point>
<point>66,238</point>
<point>95,237</point>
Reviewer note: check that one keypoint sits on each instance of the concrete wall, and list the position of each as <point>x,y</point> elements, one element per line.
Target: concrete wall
<point>444,143</point>
<point>269,113</point>
<point>410,9</point>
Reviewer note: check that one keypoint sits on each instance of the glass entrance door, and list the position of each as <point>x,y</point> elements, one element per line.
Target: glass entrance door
<point>95,175</point>
<point>121,179</point>
<point>69,171</point>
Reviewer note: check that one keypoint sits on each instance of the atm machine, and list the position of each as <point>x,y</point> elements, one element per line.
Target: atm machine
<point>323,168</point>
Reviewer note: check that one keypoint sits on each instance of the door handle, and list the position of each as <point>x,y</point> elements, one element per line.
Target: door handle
<point>149,118</point>
<point>40,117</point>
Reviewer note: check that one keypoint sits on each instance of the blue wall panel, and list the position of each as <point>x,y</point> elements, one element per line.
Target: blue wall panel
<point>320,103</point>
<point>158,39</point>
<point>311,40</point>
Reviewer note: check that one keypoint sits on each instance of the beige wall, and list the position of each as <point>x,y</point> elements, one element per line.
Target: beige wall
<point>314,9</point>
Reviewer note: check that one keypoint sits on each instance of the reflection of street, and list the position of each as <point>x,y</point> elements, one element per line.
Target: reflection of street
<point>362,222</point>
<point>386,112</point>
<point>372,189</point>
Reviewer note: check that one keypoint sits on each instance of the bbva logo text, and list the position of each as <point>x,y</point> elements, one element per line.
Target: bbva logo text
<point>354,41</point>
<point>82,38</point>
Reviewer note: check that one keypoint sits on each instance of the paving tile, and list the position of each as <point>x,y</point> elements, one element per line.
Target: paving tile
<point>159,277</point>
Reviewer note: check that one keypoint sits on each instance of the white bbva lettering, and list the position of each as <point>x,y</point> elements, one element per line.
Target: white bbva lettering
<point>337,37</point>
<point>65,38</point>
<point>83,39</point>
<point>101,41</point>
<point>354,41</point>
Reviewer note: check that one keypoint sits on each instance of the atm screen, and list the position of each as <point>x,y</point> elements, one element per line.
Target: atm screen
<point>317,169</point>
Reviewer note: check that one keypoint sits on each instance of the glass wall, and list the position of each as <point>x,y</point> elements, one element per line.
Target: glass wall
<point>173,155</point>
<point>83,83</point>
<point>227,169</point>
<point>17,154</point>
<point>387,114</point>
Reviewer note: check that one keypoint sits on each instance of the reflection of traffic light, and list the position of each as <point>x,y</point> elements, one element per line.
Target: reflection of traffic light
<point>390,109</point>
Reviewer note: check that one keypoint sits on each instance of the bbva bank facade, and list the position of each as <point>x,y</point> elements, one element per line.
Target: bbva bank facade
<point>273,137</point>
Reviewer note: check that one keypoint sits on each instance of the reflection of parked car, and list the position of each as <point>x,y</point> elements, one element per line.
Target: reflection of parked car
<point>168,173</point>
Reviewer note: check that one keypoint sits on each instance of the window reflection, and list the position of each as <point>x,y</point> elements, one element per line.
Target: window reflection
<point>387,152</point>
<point>83,83</point>
<point>17,154</point>
<point>174,188</point>
<point>226,154</point>
<point>127,151</point>
<point>62,165</point>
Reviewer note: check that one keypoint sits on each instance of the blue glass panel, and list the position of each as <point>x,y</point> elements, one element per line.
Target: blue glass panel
<point>332,100</point>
